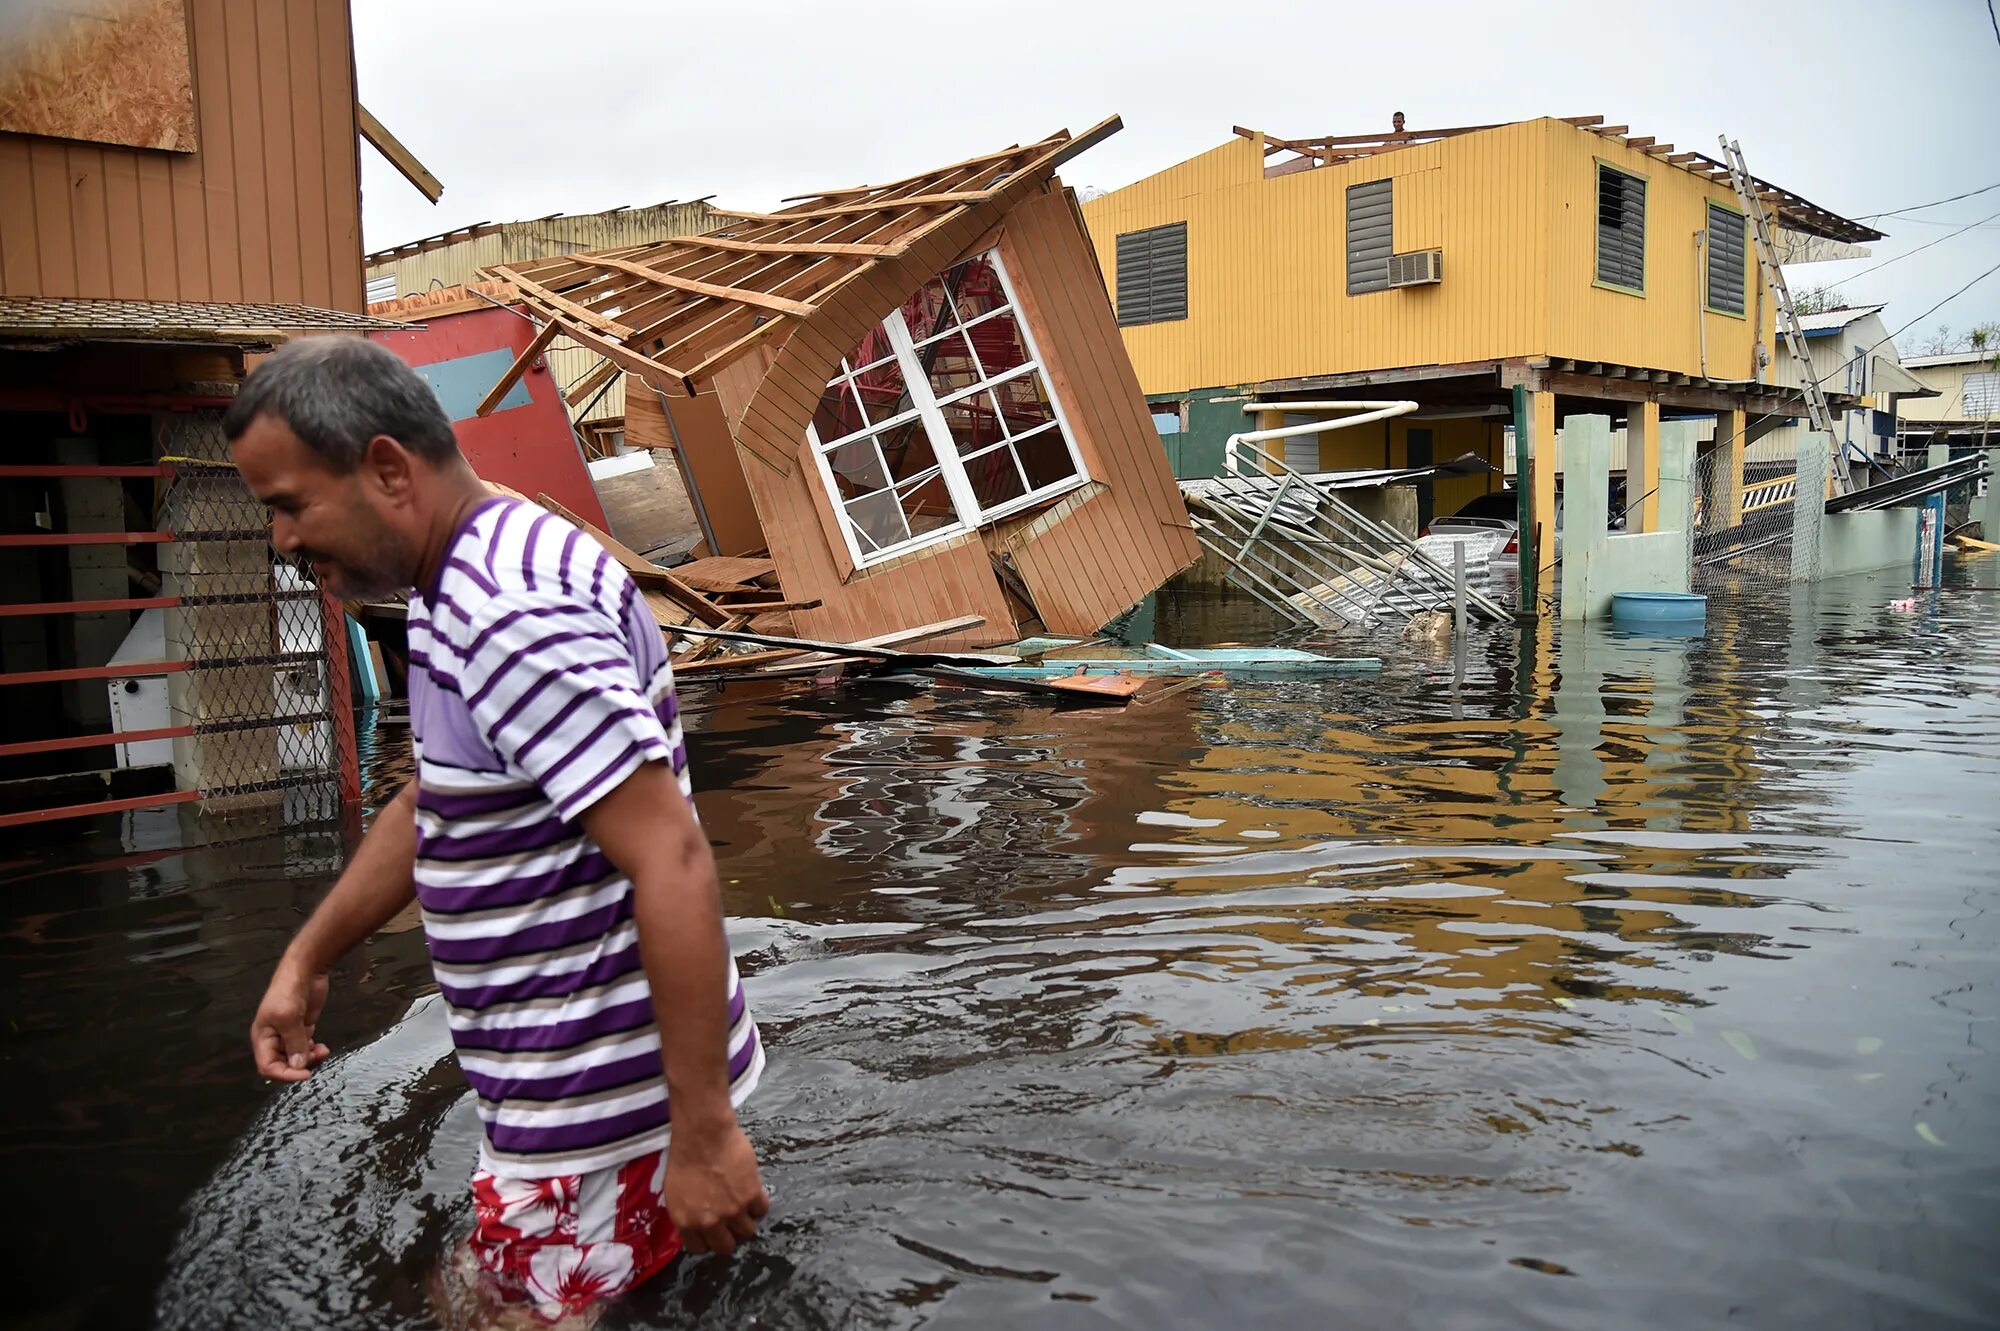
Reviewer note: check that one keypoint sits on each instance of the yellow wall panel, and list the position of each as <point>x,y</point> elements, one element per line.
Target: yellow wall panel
<point>1514,211</point>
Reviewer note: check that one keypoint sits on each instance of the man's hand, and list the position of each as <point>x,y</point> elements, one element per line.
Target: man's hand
<point>713,1194</point>
<point>281,1036</point>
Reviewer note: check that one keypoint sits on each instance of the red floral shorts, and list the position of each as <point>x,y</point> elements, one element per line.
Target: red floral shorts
<point>563,1243</point>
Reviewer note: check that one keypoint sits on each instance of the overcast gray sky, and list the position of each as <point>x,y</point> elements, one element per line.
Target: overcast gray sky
<point>526,107</point>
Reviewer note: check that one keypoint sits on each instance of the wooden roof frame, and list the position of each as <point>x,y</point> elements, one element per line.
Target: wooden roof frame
<point>1793,211</point>
<point>677,312</point>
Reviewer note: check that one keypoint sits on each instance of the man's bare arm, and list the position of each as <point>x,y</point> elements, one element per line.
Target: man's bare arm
<point>648,828</point>
<point>378,882</point>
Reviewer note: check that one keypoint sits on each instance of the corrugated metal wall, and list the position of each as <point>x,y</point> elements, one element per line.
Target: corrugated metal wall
<point>1514,210</point>
<point>1267,261</point>
<point>517,242</point>
<point>1663,329</point>
<point>268,209</point>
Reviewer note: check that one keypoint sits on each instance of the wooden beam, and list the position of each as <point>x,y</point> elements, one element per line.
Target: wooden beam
<point>1582,122</point>
<point>1682,159</point>
<point>1609,131</point>
<point>790,247</point>
<point>536,346</point>
<point>1659,150</point>
<point>913,201</point>
<point>575,311</point>
<point>401,158</point>
<point>1640,143</point>
<point>625,358</point>
<point>646,574</point>
<point>1391,137</point>
<point>742,295</point>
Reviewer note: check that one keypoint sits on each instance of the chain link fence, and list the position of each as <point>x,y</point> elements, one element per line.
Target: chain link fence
<point>253,629</point>
<point>1744,521</point>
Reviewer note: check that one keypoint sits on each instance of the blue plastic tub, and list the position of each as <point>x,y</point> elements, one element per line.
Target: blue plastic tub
<point>1663,608</point>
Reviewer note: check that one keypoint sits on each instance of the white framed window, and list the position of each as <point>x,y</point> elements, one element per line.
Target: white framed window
<point>941,419</point>
<point>1982,396</point>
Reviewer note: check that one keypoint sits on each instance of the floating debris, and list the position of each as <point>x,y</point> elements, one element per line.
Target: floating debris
<point>1741,1043</point>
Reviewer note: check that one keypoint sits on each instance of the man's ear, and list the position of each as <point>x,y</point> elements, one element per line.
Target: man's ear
<point>388,468</point>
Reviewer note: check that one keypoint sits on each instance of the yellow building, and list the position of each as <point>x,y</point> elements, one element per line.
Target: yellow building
<point>456,257</point>
<point>1965,404</point>
<point>1602,272</point>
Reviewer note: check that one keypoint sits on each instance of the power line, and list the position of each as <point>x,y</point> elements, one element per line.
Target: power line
<point>1919,249</point>
<point>1946,301</point>
<point>1994,18</point>
<point>1919,207</point>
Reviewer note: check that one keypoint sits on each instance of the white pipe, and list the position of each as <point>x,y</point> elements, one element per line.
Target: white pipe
<point>1700,298</point>
<point>1370,411</point>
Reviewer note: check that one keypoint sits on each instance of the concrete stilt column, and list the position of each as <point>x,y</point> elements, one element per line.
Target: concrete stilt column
<point>1642,467</point>
<point>1542,436</point>
<point>1987,508</point>
<point>1809,504</point>
<point>1729,450</point>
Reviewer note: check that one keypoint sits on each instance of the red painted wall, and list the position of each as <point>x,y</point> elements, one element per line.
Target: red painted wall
<point>527,443</point>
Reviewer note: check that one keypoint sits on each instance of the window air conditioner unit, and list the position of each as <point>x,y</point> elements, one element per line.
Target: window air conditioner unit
<point>1420,268</point>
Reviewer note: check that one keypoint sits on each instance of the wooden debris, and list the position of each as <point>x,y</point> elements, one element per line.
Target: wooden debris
<point>650,576</point>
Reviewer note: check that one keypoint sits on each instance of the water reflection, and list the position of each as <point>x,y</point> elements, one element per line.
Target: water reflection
<point>1634,982</point>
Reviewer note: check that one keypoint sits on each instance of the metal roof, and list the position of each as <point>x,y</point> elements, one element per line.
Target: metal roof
<point>1823,321</point>
<point>1951,358</point>
<point>71,319</point>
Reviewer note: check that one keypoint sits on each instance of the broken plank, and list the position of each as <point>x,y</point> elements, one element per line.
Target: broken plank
<point>649,576</point>
<point>718,664</point>
<point>582,313</point>
<point>827,249</point>
<point>745,295</point>
<point>536,346</point>
<point>398,156</point>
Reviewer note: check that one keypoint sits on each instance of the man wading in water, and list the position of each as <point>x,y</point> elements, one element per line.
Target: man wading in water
<point>569,899</point>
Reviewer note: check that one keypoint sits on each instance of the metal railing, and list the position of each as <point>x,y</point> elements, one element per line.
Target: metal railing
<point>1299,548</point>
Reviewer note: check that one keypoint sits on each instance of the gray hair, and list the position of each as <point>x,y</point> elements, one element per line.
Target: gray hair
<point>336,394</point>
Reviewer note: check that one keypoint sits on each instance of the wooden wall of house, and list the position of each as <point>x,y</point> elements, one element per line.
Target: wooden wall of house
<point>1096,561</point>
<point>267,209</point>
<point>1088,556</point>
<point>706,456</point>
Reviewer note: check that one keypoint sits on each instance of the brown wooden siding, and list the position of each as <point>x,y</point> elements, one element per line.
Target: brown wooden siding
<point>1087,557</point>
<point>267,210</point>
<point>708,461</point>
<point>1125,542</point>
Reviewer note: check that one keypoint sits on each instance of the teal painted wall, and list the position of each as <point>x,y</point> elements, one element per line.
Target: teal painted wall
<point>1213,414</point>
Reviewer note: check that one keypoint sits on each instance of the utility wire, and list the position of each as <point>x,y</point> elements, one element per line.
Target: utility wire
<point>1921,248</point>
<point>1919,207</point>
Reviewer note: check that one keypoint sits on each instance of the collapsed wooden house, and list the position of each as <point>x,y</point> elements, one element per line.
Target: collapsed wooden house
<point>911,396</point>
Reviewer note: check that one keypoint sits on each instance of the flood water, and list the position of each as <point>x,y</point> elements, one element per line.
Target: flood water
<point>1641,983</point>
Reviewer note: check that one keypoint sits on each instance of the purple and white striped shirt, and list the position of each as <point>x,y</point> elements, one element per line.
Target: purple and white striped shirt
<point>538,683</point>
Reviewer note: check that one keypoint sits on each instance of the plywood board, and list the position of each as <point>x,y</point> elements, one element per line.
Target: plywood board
<point>99,71</point>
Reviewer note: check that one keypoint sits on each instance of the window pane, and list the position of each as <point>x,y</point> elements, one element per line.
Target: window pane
<point>927,311</point>
<point>1045,458</point>
<point>974,423</point>
<point>948,364</point>
<point>927,507</point>
<point>882,391</point>
<point>999,345</point>
<point>877,519</point>
<point>1025,404</point>
<point>994,477</point>
<point>857,468</point>
<point>838,416</point>
<point>979,289</point>
<point>907,450</point>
